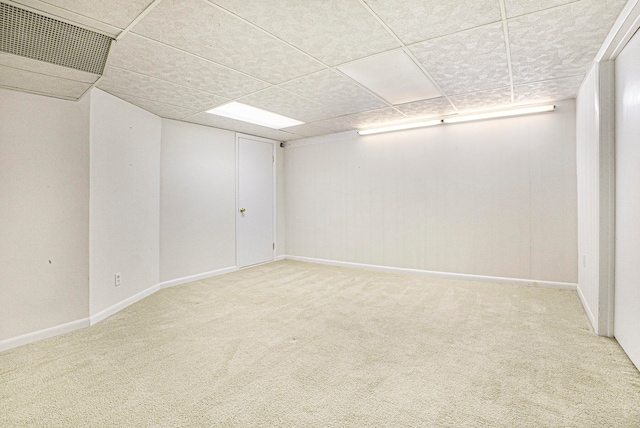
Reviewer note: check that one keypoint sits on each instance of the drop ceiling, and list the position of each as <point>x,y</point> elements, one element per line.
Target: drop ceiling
<point>180,58</point>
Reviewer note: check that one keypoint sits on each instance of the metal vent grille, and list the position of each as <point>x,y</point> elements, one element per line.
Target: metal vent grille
<point>39,37</point>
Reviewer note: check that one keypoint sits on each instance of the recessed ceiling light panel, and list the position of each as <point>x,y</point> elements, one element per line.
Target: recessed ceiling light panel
<point>394,76</point>
<point>257,116</point>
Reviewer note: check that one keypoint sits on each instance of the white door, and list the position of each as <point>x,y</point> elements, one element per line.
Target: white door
<point>255,202</point>
<point>627,286</point>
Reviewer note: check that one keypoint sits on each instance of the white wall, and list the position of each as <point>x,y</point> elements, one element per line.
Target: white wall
<point>125,200</point>
<point>81,199</point>
<point>197,214</point>
<point>44,212</point>
<point>627,215</point>
<point>494,198</point>
<point>595,157</point>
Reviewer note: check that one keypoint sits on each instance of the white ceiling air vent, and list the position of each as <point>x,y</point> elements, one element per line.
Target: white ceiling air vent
<point>39,37</point>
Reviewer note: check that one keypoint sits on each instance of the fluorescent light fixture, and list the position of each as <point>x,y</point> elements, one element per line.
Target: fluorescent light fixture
<point>400,127</point>
<point>504,113</point>
<point>392,75</point>
<point>257,116</point>
<point>491,115</point>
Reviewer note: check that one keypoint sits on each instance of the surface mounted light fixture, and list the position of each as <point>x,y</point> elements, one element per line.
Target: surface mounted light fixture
<point>257,116</point>
<point>400,127</point>
<point>504,113</point>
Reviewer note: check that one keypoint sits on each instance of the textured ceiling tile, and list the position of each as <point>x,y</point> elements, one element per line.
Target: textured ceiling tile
<point>154,59</point>
<point>417,20</point>
<point>160,109</point>
<point>138,85</point>
<point>361,120</point>
<point>335,92</point>
<point>562,41</point>
<point>483,100</point>
<point>520,7</point>
<point>14,78</point>
<point>433,107</point>
<point>69,17</point>
<point>468,61</point>
<point>551,90</point>
<point>281,135</point>
<point>333,31</point>
<point>114,12</point>
<point>41,67</point>
<point>201,28</point>
<point>239,126</point>
<point>287,104</point>
<point>307,130</point>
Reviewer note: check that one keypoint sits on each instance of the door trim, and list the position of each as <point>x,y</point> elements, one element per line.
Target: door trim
<point>273,190</point>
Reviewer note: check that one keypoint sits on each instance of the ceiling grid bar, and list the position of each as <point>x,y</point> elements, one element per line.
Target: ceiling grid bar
<point>106,64</point>
<point>80,21</point>
<point>173,83</point>
<point>203,58</point>
<point>262,30</point>
<point>406,50</point>
<point>294,47</point>
<point>133,23</point>
<point>339,110</point>
<point>505,28</point>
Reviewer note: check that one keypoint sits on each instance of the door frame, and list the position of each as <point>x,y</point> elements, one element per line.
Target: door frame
<point>273,190</point>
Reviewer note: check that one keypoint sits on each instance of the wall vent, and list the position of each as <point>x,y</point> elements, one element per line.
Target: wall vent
<point>39,37</point>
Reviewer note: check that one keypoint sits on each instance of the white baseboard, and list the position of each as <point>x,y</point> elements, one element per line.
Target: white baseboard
<point>43,334</point>
<point>86,322</point>
<point>587,309</point>
<point>123,304</point>
<point>187,279</point>
<point>149,291</point>
<point>445,275</point>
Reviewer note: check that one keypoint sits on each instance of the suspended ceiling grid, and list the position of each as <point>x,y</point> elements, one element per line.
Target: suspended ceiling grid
<point>179,58</point>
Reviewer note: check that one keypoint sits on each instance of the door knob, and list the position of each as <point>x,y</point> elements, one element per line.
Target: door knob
<point>242,210</point>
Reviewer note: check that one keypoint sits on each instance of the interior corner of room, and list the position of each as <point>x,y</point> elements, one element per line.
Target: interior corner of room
<point>118,184</point>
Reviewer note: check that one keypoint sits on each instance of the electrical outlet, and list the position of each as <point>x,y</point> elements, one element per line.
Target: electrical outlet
<point>118,278</point>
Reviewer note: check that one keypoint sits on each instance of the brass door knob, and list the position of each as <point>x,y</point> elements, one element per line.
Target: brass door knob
<point>242,210</point>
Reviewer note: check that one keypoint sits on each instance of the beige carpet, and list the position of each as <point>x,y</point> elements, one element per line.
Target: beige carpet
<point>296,344</point>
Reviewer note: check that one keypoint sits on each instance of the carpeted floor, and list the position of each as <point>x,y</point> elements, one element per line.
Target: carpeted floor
<point>294,344</point>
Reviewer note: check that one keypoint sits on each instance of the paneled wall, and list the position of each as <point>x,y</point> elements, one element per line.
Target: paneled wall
<point>627,197</point>
<point>44,213</point>
<point>587,145</point>
<point>81,200</point>
<point>197,200</point>
<point>595,157</point>
<point>125,200</point>
<point>494,198</point>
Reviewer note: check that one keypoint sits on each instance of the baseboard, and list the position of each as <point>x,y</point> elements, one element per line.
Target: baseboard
<point>587,309</point>
<point>445,275</point>
<point>191,278</point>
<point>47,333</point>
<point>94,319</point>
<point>149,291</point>
<point>86,322</point>
<point>123,304</point>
